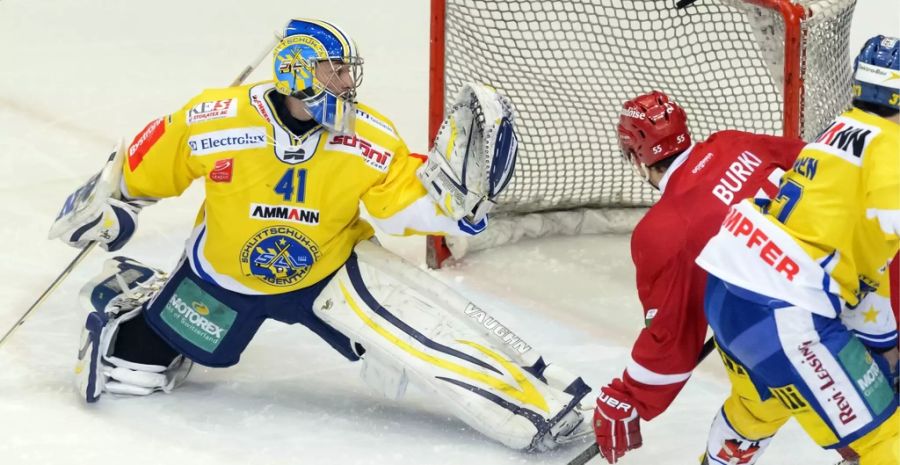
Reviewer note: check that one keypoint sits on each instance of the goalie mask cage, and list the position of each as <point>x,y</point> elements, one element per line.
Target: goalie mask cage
<point>765,66</point>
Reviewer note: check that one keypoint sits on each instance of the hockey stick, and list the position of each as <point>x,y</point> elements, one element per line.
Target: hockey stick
<point>708,347</point>
<point>245,72</point>
<point>594,450</point>
<point>78,258</point>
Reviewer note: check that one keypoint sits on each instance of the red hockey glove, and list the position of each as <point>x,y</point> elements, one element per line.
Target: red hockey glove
<point>616,424</point>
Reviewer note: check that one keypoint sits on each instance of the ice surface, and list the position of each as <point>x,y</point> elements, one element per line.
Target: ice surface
<point>76,76</point>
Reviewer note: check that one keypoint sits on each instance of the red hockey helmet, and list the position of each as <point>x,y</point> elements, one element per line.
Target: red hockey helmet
<point>652,128</point>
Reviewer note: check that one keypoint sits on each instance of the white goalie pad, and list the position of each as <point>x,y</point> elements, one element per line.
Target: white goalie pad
<point>411,335</point>
<point>474,154</point>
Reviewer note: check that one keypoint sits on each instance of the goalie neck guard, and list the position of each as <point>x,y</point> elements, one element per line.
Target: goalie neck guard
<point>329,89</point>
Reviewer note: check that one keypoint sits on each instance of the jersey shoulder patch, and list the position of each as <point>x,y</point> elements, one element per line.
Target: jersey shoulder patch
<point>373,154</point>
<point>216,104</point>
<point>847,137</point>
<point>376,139</point>
<point>368,119</point>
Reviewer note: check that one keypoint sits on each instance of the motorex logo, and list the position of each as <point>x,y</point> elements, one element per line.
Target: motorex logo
<point>871,382</point>
<point>227,140</point>
<point>198,317</point>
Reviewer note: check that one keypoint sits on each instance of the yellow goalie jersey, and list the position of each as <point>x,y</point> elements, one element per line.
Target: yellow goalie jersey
<point>826,239</point>
<point>281,209</point>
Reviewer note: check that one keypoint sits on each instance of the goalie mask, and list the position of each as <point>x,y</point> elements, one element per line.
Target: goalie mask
<point>319,64</point>
<point>652,128</point>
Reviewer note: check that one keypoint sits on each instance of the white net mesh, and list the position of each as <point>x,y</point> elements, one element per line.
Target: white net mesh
<point>568,66</point>
<point>827,69</point>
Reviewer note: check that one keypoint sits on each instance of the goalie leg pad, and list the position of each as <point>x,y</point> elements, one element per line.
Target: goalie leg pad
<point>386,378</point>
<point>117,297</point>
<point>405,330</point>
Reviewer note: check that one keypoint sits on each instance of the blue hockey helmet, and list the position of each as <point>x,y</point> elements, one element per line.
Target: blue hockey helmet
<point>877,72</point>
<point>319,63</point>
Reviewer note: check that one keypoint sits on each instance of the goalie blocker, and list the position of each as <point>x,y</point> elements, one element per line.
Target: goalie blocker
<point>97,211</point>
<point>376,308</point>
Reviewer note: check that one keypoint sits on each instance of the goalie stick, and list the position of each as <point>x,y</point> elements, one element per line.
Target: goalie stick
<point>594,450</point>
<point>78,258</point>
<point>245,72</point>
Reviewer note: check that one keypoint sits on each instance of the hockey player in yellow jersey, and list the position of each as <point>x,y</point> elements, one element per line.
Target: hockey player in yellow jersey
<point>285,164</point>
<point>804,323</point>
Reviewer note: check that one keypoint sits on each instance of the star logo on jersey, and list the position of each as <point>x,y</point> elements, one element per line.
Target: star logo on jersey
<point>279,256</point>
<point>870,315</point>
<point>894,75</point>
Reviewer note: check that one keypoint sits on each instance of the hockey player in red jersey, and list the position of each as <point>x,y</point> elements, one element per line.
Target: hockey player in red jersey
<point>698,183</point>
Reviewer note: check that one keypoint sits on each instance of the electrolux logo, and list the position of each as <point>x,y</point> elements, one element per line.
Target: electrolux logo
<point>227,140</point>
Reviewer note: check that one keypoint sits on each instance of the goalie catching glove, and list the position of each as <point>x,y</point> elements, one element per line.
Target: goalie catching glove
<point>95,213</point>
<point>474,154</point>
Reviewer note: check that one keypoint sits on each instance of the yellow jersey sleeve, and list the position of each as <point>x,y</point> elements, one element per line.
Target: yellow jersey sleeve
<point>882,173</point>
<point>159,162</point>
<point>400,187</point>
<point>398,203</point>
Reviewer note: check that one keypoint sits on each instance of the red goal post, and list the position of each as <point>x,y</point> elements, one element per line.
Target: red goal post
<point>769,66</point>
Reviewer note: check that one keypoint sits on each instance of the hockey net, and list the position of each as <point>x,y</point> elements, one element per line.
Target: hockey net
<point>766,66</point>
